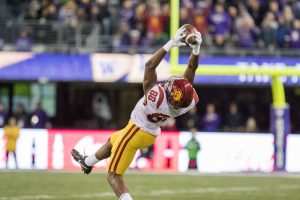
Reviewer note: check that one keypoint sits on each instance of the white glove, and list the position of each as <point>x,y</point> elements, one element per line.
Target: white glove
<point>196,47</point>
<point>176,41</point>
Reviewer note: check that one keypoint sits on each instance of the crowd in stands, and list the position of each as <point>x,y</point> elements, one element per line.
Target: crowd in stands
<point>250,23</point>
<point>212,121</point>
<point>37,118</point>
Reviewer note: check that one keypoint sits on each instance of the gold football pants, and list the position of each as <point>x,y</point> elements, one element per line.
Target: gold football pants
<point>125,144</point>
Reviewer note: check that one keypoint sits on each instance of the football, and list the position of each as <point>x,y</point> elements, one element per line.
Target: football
<point>189,31</point>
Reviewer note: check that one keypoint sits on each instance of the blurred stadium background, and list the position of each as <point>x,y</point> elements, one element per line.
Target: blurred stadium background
<point>71,72</point>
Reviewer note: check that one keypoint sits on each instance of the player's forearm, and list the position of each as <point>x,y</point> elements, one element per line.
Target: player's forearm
<point>192,66</point>
<point>193,62</point>
<point>150,76</point>
<point>155,59</point>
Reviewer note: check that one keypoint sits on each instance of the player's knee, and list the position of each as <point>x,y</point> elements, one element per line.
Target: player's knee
<point>108,145</point>
<point>111,177</point>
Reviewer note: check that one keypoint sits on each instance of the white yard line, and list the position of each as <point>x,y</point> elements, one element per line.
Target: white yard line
<point>29,197</point>
<point>37,197</point>
<point>220,190</point>
<point>159,193</point>
<point>202,190</point>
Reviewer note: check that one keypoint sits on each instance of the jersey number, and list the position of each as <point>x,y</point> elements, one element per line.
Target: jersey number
<point>156,117</point>
<point>152,95</point>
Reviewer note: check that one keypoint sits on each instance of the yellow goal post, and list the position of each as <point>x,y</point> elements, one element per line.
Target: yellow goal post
<point>277,86</point>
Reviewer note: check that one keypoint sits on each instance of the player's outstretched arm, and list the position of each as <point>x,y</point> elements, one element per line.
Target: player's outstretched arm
<point>150,76</point>
<point>192,66</point>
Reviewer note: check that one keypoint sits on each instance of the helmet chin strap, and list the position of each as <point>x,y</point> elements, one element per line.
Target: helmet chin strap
<point>171,106</point>
<point>168,94</point>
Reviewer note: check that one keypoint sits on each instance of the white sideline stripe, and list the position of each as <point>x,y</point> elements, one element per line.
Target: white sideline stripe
<point>221,174</point>
<point>162,192</point>
<point>196,173</point>
<point>136,172</point>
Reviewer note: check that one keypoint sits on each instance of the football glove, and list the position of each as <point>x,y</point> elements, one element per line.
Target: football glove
<point>176,41</point>
<point>196,47</point>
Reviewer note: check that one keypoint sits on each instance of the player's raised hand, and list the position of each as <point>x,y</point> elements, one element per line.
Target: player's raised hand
<point>177,40</point>
<point>178,37</point>
<point>196,47</point>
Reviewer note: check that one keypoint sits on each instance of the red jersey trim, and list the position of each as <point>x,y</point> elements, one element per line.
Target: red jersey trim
<point>161,96</point>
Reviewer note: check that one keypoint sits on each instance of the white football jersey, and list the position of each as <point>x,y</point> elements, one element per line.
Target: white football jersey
<point>149,114</point>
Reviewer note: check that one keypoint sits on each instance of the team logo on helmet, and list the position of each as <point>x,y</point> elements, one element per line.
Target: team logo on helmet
<point>177,95</point>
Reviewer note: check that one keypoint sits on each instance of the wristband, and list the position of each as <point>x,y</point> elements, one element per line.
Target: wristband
<point>196,51</point>
<point>168,46</point>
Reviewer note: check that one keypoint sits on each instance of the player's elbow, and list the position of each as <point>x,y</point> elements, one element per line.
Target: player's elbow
<point>149,65</point>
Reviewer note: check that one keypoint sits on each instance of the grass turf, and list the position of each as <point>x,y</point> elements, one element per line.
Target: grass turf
<point>31,185</point>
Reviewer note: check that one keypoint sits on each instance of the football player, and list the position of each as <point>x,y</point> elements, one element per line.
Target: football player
<point>161,101</point>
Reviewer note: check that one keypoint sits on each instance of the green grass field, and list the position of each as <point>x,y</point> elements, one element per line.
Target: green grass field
<point>30,185</point>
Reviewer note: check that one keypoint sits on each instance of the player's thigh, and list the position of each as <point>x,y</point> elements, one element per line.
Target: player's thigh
<point>124,156</point>
<point>142,140</point>
<point>120,141</point>
<point>117,136</point>
<point>113,138</point>
<point>148,140</point>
